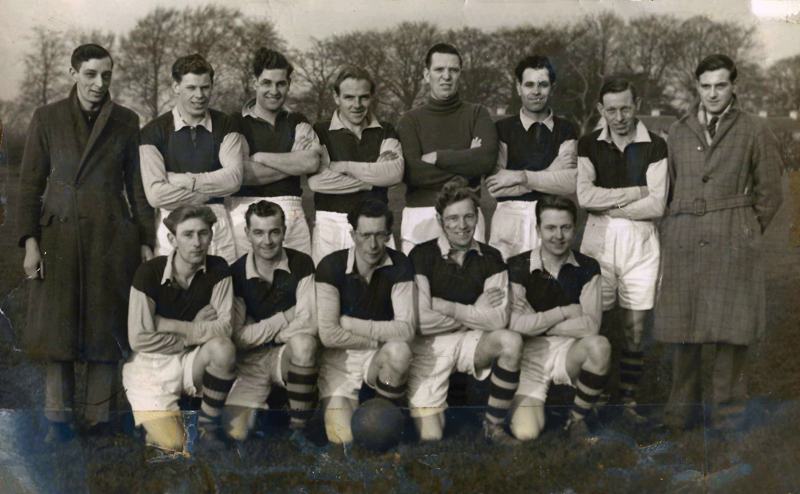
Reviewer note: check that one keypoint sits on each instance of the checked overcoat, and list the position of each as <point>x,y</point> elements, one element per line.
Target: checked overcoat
<point>81,195</point>
<point>722,197</point>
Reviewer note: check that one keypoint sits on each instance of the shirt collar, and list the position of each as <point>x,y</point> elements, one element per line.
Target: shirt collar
<point>180,123</point>
<point>252,110</point>
<point>337,124</point>
<point>251,272</point>
<point>702,113</point>
<point>168,275</point>
<point>445,247</point>
<point>536,259</point>
<point>351,261</point>
<point>642,135</point>
<point>527,121</point>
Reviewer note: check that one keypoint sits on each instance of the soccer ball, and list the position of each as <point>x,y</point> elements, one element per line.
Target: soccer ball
<point>377,425</point>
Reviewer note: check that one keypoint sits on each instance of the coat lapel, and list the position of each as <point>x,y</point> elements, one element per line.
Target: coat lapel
<point>97,129</point>
<point>692,122</point>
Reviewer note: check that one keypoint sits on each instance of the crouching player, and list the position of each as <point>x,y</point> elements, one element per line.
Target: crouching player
<point>275,324</point>
<point>366,315</point>
<point>179,327</point>
<point>556,306</point>
<point>463,308</point>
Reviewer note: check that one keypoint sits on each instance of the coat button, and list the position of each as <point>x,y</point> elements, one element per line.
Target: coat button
<point>699,148</point>
<point>62,219</point>
<point>706,178</point>
<point>703,243</point>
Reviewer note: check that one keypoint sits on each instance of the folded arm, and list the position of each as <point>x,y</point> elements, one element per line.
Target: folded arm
<point>160,191</point>
<point>431,321</point>
<point>480,317</point>
<point>331,182</point>
<point>652,206</point>
<point>417,171</point>
<point>304,319</point>
<point>225,181</point>
<point>331,333</point>
<point>588,323</point>
<point>199,332</point>
<point>380,173</point>
<point>594,198</point>
<point>400,328</point>
<point>143,334</point>
<point>477,161</point>
<point>248,333</point>
<point>530,322</point>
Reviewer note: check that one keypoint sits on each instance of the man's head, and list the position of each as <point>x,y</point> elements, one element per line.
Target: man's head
<point>372,222</point>
<point>716,78</point>
<point>555,222</point>
<point>190,232</point>
<point>272,78</point>
<point>618,104</point>
<point>442,70</point>
<point>193,81</point>
<point>265,226</point>
<point>353,90</point>
<point>535,79</point>
<point>91,70</point>
<point>457,211</point>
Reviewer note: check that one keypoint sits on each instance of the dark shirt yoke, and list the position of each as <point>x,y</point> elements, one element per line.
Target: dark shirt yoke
<point>615,169</point>
<point>543,291</point>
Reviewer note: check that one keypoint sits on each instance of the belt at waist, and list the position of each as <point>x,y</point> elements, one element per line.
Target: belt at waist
<point>700,205</point>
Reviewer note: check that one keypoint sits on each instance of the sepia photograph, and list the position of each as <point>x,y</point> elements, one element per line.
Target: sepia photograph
<point>399,246</point>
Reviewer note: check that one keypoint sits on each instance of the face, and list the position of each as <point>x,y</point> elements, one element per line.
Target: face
<point>369,238</point>
<point>191,240</point>
<point>458,221</point>
<point>715,89</point>
<point>266,236</point>
<point>92,78</point>
<point>271,88</point>
<point>556,229</point>
<point>193,93</point>
<point>353,100</point>
<point>534,90</point>
<point>619,110</point>
<point>443,75</point>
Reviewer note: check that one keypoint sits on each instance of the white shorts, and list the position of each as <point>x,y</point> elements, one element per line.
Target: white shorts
<point>256,372</point>
<point>420,225</point>
<point>297,236</point>
<point>514,228</point>
<point>544,360</point>
<point>435,359</point>
<point>628,252</point>
<point>332,233</point>
<point>341,372</point>
<point>156,381</point>
<point>222,243</point>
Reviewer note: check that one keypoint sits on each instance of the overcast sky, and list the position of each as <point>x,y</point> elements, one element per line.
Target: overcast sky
<point>299,20</point>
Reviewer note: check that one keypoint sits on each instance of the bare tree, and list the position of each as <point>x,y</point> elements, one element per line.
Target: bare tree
<point>77,37</point>
<point>46,67</point>
<point>245,37</point>
<point>482,78</point>
<point>316,68</point>
<point>784,77</point>
<point>406,45</point>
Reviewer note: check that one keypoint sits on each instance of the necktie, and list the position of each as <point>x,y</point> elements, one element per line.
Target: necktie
<point>712,126</point>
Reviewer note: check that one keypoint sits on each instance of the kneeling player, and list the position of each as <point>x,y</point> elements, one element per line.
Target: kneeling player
<point>557,307</point>
<point>179,327</point>
<point>275,324</point>
<point>463,308</point>
<point>365,297</point>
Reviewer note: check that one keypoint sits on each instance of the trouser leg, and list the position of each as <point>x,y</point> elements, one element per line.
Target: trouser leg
<point>686,393</point>
<point>59,391</point>
<point>730,386</point>
<point>100,378</point>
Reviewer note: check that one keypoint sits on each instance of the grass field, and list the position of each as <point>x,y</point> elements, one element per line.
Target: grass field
<point>762,459</point>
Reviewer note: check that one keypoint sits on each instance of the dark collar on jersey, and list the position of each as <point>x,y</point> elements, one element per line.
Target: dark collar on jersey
<point>642,135</point>
<point>337,124</point>
<point>536,260</point>
<point>250,109</point>
<point>351,261</point>
<point>527,121</point>
<point>168,278</point>
<point>179,122</point>
<point>251,272</point>
<point>445,247</point>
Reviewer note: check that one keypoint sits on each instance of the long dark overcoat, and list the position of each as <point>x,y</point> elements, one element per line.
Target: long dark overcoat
<point>81,195</point>
<point>722,197</point>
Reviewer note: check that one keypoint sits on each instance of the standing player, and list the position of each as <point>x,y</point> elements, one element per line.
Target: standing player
<point>463,310</point>
<point>443,138</point>
<point>366,314</point>
<point>281,147</point>
<point>538,156</point>
<point>363,158</point>
<point>557,307</point>
<point>622,182</point>
<point>275,324</point>
<point>179,327</point>
<point>192,155</point>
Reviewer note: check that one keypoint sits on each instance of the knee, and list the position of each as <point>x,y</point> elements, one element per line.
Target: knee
<point>304,349</point>
<point>221,352</point>
<point>398,355</point>
<point>510,344</point>
<point>598,349</point>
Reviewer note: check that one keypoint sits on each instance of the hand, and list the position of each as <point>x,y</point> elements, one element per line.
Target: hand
<point>429,158</point>
<point>521,305</point>
<point>505,178</point>
<point>615,213</point>
<point>205,314</point>
<point>388,156</point>
<point>33,263</point>
<point>476,143</point>
<point>491,298</point>
<point>572,311</point>
<point>146,252</point>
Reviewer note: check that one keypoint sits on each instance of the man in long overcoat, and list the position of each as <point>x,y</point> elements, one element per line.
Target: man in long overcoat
<point>85,225</point>
<point>724,190</point>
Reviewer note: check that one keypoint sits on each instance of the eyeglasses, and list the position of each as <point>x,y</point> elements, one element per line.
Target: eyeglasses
<point>377,236</point>
<point>625,112</point>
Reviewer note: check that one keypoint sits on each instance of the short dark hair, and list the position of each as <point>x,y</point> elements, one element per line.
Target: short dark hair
<point>353,72</point>
<point>264,209</point>
<point>715,62</point>
<point>371,208</point>
<point>266,59</point>
<point>456,189</point>
<point>87,52</point>
<point>442,48</point>
<point>617,85</point>
<point>556,202</point>
<point>535,62</point>
<point>183,213</point>
<point>191,64</point>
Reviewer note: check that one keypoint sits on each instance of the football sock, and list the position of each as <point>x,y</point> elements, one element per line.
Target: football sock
<point>395,394</point>
<point>503,384</point>
<point>587,390</point>
<point>631,366</point>
<point>301,389</point>
<point>215,390</point>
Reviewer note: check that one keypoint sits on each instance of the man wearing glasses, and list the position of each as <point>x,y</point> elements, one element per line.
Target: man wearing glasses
<point>622,182</point>
<point>366,318</point>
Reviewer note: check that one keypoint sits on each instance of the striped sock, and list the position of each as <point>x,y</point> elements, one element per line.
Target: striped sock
<point>503,384</point>
<point>301,389</point>
<point>395,394</point>
<point>587,390</point>
<point>215,390</point>
<point>631,367</point>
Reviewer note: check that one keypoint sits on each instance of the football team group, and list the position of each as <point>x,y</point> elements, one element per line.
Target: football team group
<point>182,250</point>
